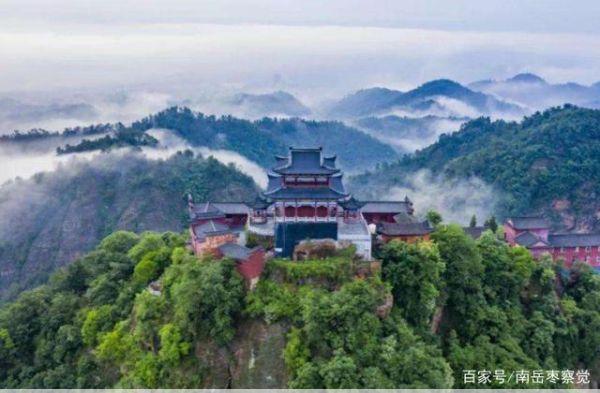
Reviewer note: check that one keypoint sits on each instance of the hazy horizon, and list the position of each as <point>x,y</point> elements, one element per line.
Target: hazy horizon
<point>311,49</point>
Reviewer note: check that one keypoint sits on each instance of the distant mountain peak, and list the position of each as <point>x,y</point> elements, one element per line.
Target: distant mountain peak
<point>526,77</point>
<point>442,83</point>
<point>441,87</point>
<point>274,103</point>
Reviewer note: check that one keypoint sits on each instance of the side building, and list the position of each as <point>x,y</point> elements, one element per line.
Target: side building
<point>534,233</point>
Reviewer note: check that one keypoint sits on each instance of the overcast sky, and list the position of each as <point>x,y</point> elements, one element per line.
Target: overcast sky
<point>304,45</point>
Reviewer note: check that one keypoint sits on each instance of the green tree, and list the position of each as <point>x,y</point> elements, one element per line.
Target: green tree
<point>414,271</point>
<point>473,222</point>
<point>119,242</point>
<point>206,297</point>
<point>434,218</point>
<point>463,279</point>
<point>491,224</point>
<point>97,321</point>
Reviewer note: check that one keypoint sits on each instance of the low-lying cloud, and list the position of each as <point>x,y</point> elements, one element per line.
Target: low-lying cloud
<point>456,199</point>
<point>24,163</point>
<point>169,144</point>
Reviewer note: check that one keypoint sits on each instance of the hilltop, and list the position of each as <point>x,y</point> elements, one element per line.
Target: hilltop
<point>335,322</point>
<point>275,104</point>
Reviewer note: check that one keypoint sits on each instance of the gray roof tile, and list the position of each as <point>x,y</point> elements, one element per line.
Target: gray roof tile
<point>385,207</point>
<point>405,229</point>
<point>575,240</point>
<point>305,193</point>
<point>232,207</point>
<point>528,239</point>
<point>529,222</point>
<point>210,228</point>
<point>305,161</point>
<point>234,251</point>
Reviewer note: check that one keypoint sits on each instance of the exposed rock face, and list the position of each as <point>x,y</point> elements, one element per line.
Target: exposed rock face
<point>315,249</point>
<point>383,311</point>
<point>258,356</point>
<point>253,360</point>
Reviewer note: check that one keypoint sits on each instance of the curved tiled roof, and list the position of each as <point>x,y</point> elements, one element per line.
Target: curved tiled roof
<point>528,239</point>
<point>210,228</point>
<point>305,193</point>
<point>205,210</point>
<point>405,229</point>
<point>259,203</point>
<point>236,252</point>
<point>329,161</point>
<point>305,162</point>
<point>386,207</point>
<point>351,204</point>
<point>232,207</point>
<point>337,184</point>
<point>275,182</point>
<point>575,240</point>
<point>529,222</point>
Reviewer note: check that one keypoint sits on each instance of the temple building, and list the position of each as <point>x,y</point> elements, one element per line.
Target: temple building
<point>533,233</point>
<point>305,199</point>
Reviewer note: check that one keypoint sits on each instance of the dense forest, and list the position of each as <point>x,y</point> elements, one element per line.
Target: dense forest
<point>260,140</point>
<point>458,304</point>
<point>121,138</point>
<point>52,218</point>
<point>37,133</point>
<point>548,163</point>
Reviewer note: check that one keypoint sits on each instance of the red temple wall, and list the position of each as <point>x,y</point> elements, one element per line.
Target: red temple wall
<point>253,266</point>
<point>211,243</point>
<point>405,238</point>
<point>571,254</point>
<point>511,233</point>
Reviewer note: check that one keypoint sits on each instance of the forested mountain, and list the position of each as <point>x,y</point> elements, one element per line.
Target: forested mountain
<point>262,139</point>
<point>546,163</point>
<point>327,323</point>
<point>534,92</point>
<point>54,217</point>
<point>437,97</point>
<point>257,140</point>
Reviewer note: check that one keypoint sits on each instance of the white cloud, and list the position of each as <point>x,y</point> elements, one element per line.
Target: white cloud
<point>171,143</point>
<point>25,163</point>
<point>314,60</point>
<point>456,199</point>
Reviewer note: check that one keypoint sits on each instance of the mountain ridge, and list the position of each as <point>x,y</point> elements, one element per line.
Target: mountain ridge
<point>522,161</point>
<point>377,101</point>
<point>537,94</point>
